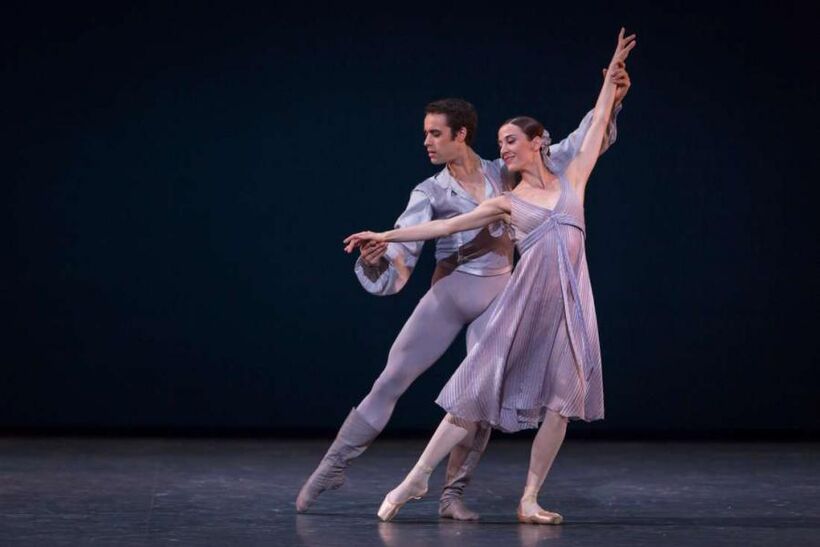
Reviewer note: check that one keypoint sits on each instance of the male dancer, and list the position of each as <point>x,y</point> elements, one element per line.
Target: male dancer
<point>472,268</point>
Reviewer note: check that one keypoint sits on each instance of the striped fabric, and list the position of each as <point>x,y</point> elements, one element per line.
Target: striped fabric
<point>540,346</point>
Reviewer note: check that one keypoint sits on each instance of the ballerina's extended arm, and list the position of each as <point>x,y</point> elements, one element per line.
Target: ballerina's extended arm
<point>489,211</point>
<point>581,166</point>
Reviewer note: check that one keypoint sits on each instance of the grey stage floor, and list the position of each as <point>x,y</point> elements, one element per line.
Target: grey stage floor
<point>56,491</point>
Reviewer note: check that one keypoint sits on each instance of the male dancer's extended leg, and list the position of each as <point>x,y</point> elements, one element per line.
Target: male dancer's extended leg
<point>451,303</point>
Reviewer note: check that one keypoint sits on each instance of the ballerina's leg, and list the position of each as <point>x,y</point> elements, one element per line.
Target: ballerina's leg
<point>544,449</point>
<point>450,432</point>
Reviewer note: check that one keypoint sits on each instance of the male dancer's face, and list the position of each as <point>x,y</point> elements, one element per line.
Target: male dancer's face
<point>442,146</point>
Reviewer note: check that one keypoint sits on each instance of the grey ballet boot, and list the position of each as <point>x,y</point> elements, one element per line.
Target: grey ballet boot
<point>353,438</point>
<point>460,467</point>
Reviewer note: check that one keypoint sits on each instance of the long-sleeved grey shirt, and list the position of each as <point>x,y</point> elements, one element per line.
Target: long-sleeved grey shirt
<point>482,251</point>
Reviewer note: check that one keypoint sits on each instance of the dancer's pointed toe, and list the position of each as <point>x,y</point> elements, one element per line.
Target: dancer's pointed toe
<point>540,517</point>
<point>353,438</point>
<point>388,509</point>
<point>329,475</point>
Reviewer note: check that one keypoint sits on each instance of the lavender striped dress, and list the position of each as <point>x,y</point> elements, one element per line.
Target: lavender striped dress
<point>540,345</point>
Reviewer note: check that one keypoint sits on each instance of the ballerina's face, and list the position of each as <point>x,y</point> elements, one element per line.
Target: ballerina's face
<point>517,150</point>
<point>441,142</point>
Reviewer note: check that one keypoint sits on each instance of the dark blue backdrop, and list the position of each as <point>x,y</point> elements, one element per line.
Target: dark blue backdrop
<point>178,180</point>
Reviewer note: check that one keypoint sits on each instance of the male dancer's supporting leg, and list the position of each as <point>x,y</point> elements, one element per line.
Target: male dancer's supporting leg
<point>451,303</point>
<point>463,461</point>
<point>544,449</point>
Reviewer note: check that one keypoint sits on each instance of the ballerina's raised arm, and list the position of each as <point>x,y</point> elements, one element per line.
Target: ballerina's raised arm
<point>581,166</point>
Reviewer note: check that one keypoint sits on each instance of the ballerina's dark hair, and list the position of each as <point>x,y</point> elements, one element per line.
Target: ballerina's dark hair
<point>530,126</point>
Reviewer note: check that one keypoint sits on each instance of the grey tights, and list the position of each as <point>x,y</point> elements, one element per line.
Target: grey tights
<point>452,302</point>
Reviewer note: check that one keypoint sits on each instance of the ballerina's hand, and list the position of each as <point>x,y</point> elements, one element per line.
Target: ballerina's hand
<point>625,45</point>
<point>356,240</point>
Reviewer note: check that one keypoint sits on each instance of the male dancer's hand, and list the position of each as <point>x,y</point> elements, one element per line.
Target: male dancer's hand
<point>622,82</point>
<point>372,252</point>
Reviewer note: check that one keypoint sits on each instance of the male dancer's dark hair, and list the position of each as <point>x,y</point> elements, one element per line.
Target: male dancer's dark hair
<point>459,114</point>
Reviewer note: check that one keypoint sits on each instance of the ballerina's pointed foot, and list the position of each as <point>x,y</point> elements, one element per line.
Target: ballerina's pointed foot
<point>388,509</point>
<point>540,517</point>
<point>413,487</point>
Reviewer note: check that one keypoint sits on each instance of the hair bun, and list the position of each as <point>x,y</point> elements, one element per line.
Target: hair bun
<point>545,149</point>
<point>545,135</point>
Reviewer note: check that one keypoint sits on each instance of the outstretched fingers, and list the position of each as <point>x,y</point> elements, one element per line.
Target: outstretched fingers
<point>624,40</point>
<point>625,45</point>
<point>626,49</point>
<point>367,234</point>
<point>355,240</point>
<point>351,242</point>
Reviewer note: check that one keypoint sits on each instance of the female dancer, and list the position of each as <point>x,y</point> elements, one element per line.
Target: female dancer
<point>539,360</point>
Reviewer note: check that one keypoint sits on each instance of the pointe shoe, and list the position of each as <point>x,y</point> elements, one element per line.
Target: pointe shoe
<point>539,517</point>
<point>388,509</point>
